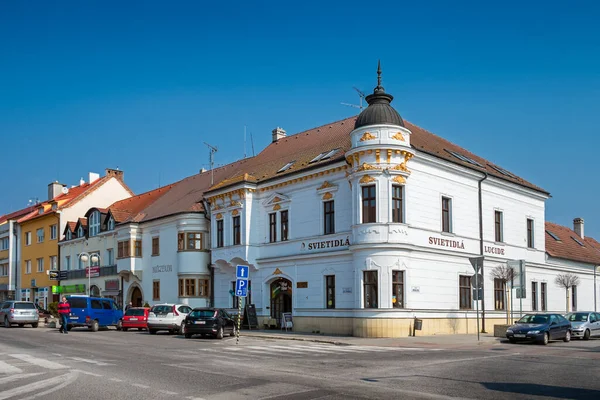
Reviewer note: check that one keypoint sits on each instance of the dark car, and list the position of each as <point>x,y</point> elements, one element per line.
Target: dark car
<point>540,328</point>
<point>209,321</point>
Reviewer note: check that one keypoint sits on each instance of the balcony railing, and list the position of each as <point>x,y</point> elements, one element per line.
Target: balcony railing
<point>107,270</point>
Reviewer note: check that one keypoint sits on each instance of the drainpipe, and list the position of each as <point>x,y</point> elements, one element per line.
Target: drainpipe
<point>211,269</point>
<point>485,176</point>
<point>17,270</point>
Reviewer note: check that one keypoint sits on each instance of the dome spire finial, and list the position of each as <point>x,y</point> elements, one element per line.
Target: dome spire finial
<point>379,88</point>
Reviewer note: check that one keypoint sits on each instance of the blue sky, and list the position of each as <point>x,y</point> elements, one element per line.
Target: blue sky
<point>141,85</point>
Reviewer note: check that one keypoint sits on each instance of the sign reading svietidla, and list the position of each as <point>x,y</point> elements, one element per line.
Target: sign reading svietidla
<point>80,288</point>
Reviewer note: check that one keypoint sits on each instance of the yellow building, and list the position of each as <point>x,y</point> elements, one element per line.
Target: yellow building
<point>41,229</point>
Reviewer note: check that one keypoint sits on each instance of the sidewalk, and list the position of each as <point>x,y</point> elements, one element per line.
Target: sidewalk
<point>434,341</point>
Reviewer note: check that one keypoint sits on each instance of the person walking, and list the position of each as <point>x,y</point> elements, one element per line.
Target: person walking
<point>128,306</point>
<point>64,309</point>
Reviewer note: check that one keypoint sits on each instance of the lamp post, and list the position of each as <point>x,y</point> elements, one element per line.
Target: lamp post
<point>92,258</point>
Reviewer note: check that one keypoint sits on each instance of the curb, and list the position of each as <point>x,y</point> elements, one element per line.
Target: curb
<point>301,339</point>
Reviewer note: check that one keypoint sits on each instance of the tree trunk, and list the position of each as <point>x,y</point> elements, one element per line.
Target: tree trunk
<point>506,297</point>
<point>567,291</point>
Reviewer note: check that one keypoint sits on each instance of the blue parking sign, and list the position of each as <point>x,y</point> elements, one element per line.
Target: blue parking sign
<point>242,272</point>
<point>241,287</point>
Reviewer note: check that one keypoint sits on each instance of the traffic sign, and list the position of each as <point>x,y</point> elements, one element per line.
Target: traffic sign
<point>476,262</point>
<point>241,287</point>
<point>477,279</point>
<point>242,272</point>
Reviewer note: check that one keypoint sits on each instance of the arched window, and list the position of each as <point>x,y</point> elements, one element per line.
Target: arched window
<point>94,291</point>
<point>80,232</point>
<point>94,223</point>
<point>111,224</point>
<point>69,235</point>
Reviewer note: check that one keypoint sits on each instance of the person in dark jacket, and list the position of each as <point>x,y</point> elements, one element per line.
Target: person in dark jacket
<point>64,309</point>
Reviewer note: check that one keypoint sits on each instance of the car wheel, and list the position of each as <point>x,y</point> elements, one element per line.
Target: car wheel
<point>95,326</point>
<point>35,325</point>
<point>6,323</point>
<point>567,336</point>
<point>152,331</point>
<point>586,335</point>
<point>220,333</point>
<point>546,338</point>
<point>233,330</point>
<point>119,325</point>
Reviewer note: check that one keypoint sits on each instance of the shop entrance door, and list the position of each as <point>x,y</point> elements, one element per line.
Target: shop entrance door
<point>281,298</point>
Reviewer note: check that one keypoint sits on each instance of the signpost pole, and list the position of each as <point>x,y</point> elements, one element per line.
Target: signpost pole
<point>523,290</point>
<point>477,301</point>
<point>239,321</point>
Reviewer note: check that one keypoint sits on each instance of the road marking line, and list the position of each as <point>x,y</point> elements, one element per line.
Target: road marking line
<point>61,381</point>
<point>168,392</point>
<point>140,385</point>
<point>283,349</point>
<point>100,363</point>
<point>310,349</point>
<point>116,380</point>
<point>88,373</point>
<point>11,378</point>
<point>40,362</point>
<point>9,369</point>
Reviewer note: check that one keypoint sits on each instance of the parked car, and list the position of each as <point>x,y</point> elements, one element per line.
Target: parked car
<point>209,321</point>
<point>93,312</point>
<point>540,328</point>
<point>19,312</point>
<point>585,324</point>
<point>136,317</point>
<point>167,317</point>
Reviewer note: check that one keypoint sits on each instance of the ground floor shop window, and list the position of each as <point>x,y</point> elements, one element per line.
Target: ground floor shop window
<point>281,298</point>
<point>398,289</point>
<point>465,292</point>
<point>370,289</point>
<point>499,290</point>
<point>330,291</point>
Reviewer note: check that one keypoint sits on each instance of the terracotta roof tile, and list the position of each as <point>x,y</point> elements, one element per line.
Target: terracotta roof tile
<point>568,248</point>
<point>71,225</point>
<point>127,210</point>
<point>17,214</point>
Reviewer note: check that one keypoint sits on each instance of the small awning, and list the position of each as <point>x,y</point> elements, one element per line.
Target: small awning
<point>111,293</point>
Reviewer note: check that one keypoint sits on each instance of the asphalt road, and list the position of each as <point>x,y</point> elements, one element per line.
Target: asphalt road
<point>42,363</point>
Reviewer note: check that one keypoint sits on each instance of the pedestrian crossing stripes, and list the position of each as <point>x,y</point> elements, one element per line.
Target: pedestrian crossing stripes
<point>14,364</point>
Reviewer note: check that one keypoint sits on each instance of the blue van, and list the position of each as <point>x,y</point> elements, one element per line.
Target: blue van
<point>93,312</point>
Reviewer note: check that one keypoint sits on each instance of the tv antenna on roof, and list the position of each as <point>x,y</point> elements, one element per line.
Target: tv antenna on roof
<point>212,150</point>
<point>361,95</point>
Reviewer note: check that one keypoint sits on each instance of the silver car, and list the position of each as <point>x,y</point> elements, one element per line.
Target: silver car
<point>19,312</point>
<point>585,324</point>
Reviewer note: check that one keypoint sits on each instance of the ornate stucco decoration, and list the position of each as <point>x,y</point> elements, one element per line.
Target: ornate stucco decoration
<point>276,200</point>
<point>367,136</point>
<point>377,156</point>
<point>325,185</point>
<point>399,179</point>
<point>277,272</point>
<point>367,167</point>
<point>389,156</point>
<point>235,212</point>
<point>219,216</point>
<point>366,179</point>
<point>235,203</point>
<point>400,167</point>
<point>398,136</point>
<point>276,207</point>
<point>327,196</point>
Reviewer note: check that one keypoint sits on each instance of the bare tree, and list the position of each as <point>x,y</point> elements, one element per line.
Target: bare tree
<point>567,281</point>
<point>506,274</point>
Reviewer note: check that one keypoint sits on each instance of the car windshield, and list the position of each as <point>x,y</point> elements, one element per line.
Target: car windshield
<point>577,317</point>
<point>135,312</point>
<point>162,309</point>
<point>534,319</point>
<point>203,313</point>
<point>24,306</point>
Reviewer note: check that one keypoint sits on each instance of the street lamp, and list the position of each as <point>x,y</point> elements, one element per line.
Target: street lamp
<point>93,258</point>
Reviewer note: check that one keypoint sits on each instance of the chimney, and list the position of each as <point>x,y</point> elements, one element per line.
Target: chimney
<point>93,177</point>
<point>578,227</point>
<point>114,173</point>
<point>278,133</point>
<point>54,189</point>
<point>81,181</point>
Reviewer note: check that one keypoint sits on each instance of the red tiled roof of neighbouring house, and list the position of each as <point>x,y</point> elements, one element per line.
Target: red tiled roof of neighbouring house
<point>126,210</point>
<point>17,214</point>
<point>570,246</point>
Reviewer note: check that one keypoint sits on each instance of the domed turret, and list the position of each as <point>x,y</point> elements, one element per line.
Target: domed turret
<point>379,110</point>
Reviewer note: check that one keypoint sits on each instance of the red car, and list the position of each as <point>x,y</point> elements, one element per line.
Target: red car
<point>136,317</point>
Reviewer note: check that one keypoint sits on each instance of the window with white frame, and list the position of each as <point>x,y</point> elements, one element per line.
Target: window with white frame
<point>27,266</point>
<point>40,265</point>
<point>110,256</point>
<point>53,232</point>
<point>53,263</point>
<point>27,238</point>
<point>80,231</point>
<point>40,235</point>
<point>3,269</point>
<point>69,235</point>
<point>94,224</point>
<point>67,263</point>
<point>111,223</point>
<point>4,244</point>
<point>446,214</point>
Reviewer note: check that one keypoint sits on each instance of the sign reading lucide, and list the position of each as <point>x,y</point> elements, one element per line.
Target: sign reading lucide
<point>162,268</point>
<point>325,244</point>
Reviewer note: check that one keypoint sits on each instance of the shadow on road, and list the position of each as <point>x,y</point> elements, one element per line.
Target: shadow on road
<point>533,389</point>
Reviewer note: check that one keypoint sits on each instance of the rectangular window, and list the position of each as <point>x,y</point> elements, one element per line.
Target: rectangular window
<point>237,230</point>
<point>284,225</point>
<point>446,214</point>
<point>4,244</point>
<point>40,265</point>
<point>190,287</point>
<point>3,269</point>
<point>194,241</point>
<point>220,234</point>
<point>53,232</point>
<point>370,289</point>
<point>27,266</point>
<point>530,232</point>
<point>236,300</point>
<point>40,235</point>
<point>155,246</point>
<point>330,291</point>
<point>329,217</point>
<point>398,289</point>
<point>53,263</point>
<point>110,256</point>
<point>544,299</point>
<point>574,298</point>
<point>272,227</point>
<point>397,196</point>
<point>67,263</point>
<point>534,300</point>
<point>181,241</point>
<point>499,286</point>
<point>27,238</point>
<point>156,290</point>
<point>137,248</point>
<point>369,204</point>
<point>465,292</point>
<point>203,287</point>
<point>124,249</point>
<point>498,229</point>
<point>181,288</point>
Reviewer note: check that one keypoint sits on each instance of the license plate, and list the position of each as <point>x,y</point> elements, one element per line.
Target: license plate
<point>74,317</point>
<point>200,322</point>
<point>519,335</point>
<point>133,319</point>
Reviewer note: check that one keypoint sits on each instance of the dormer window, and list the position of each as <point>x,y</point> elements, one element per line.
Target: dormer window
<point>40,211</point>
<point>80,232</point>
<point>286,166</point>
<point>54,206</point>
<point>111,224</point>
<point>69,235</point>
<point>94,223</point>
